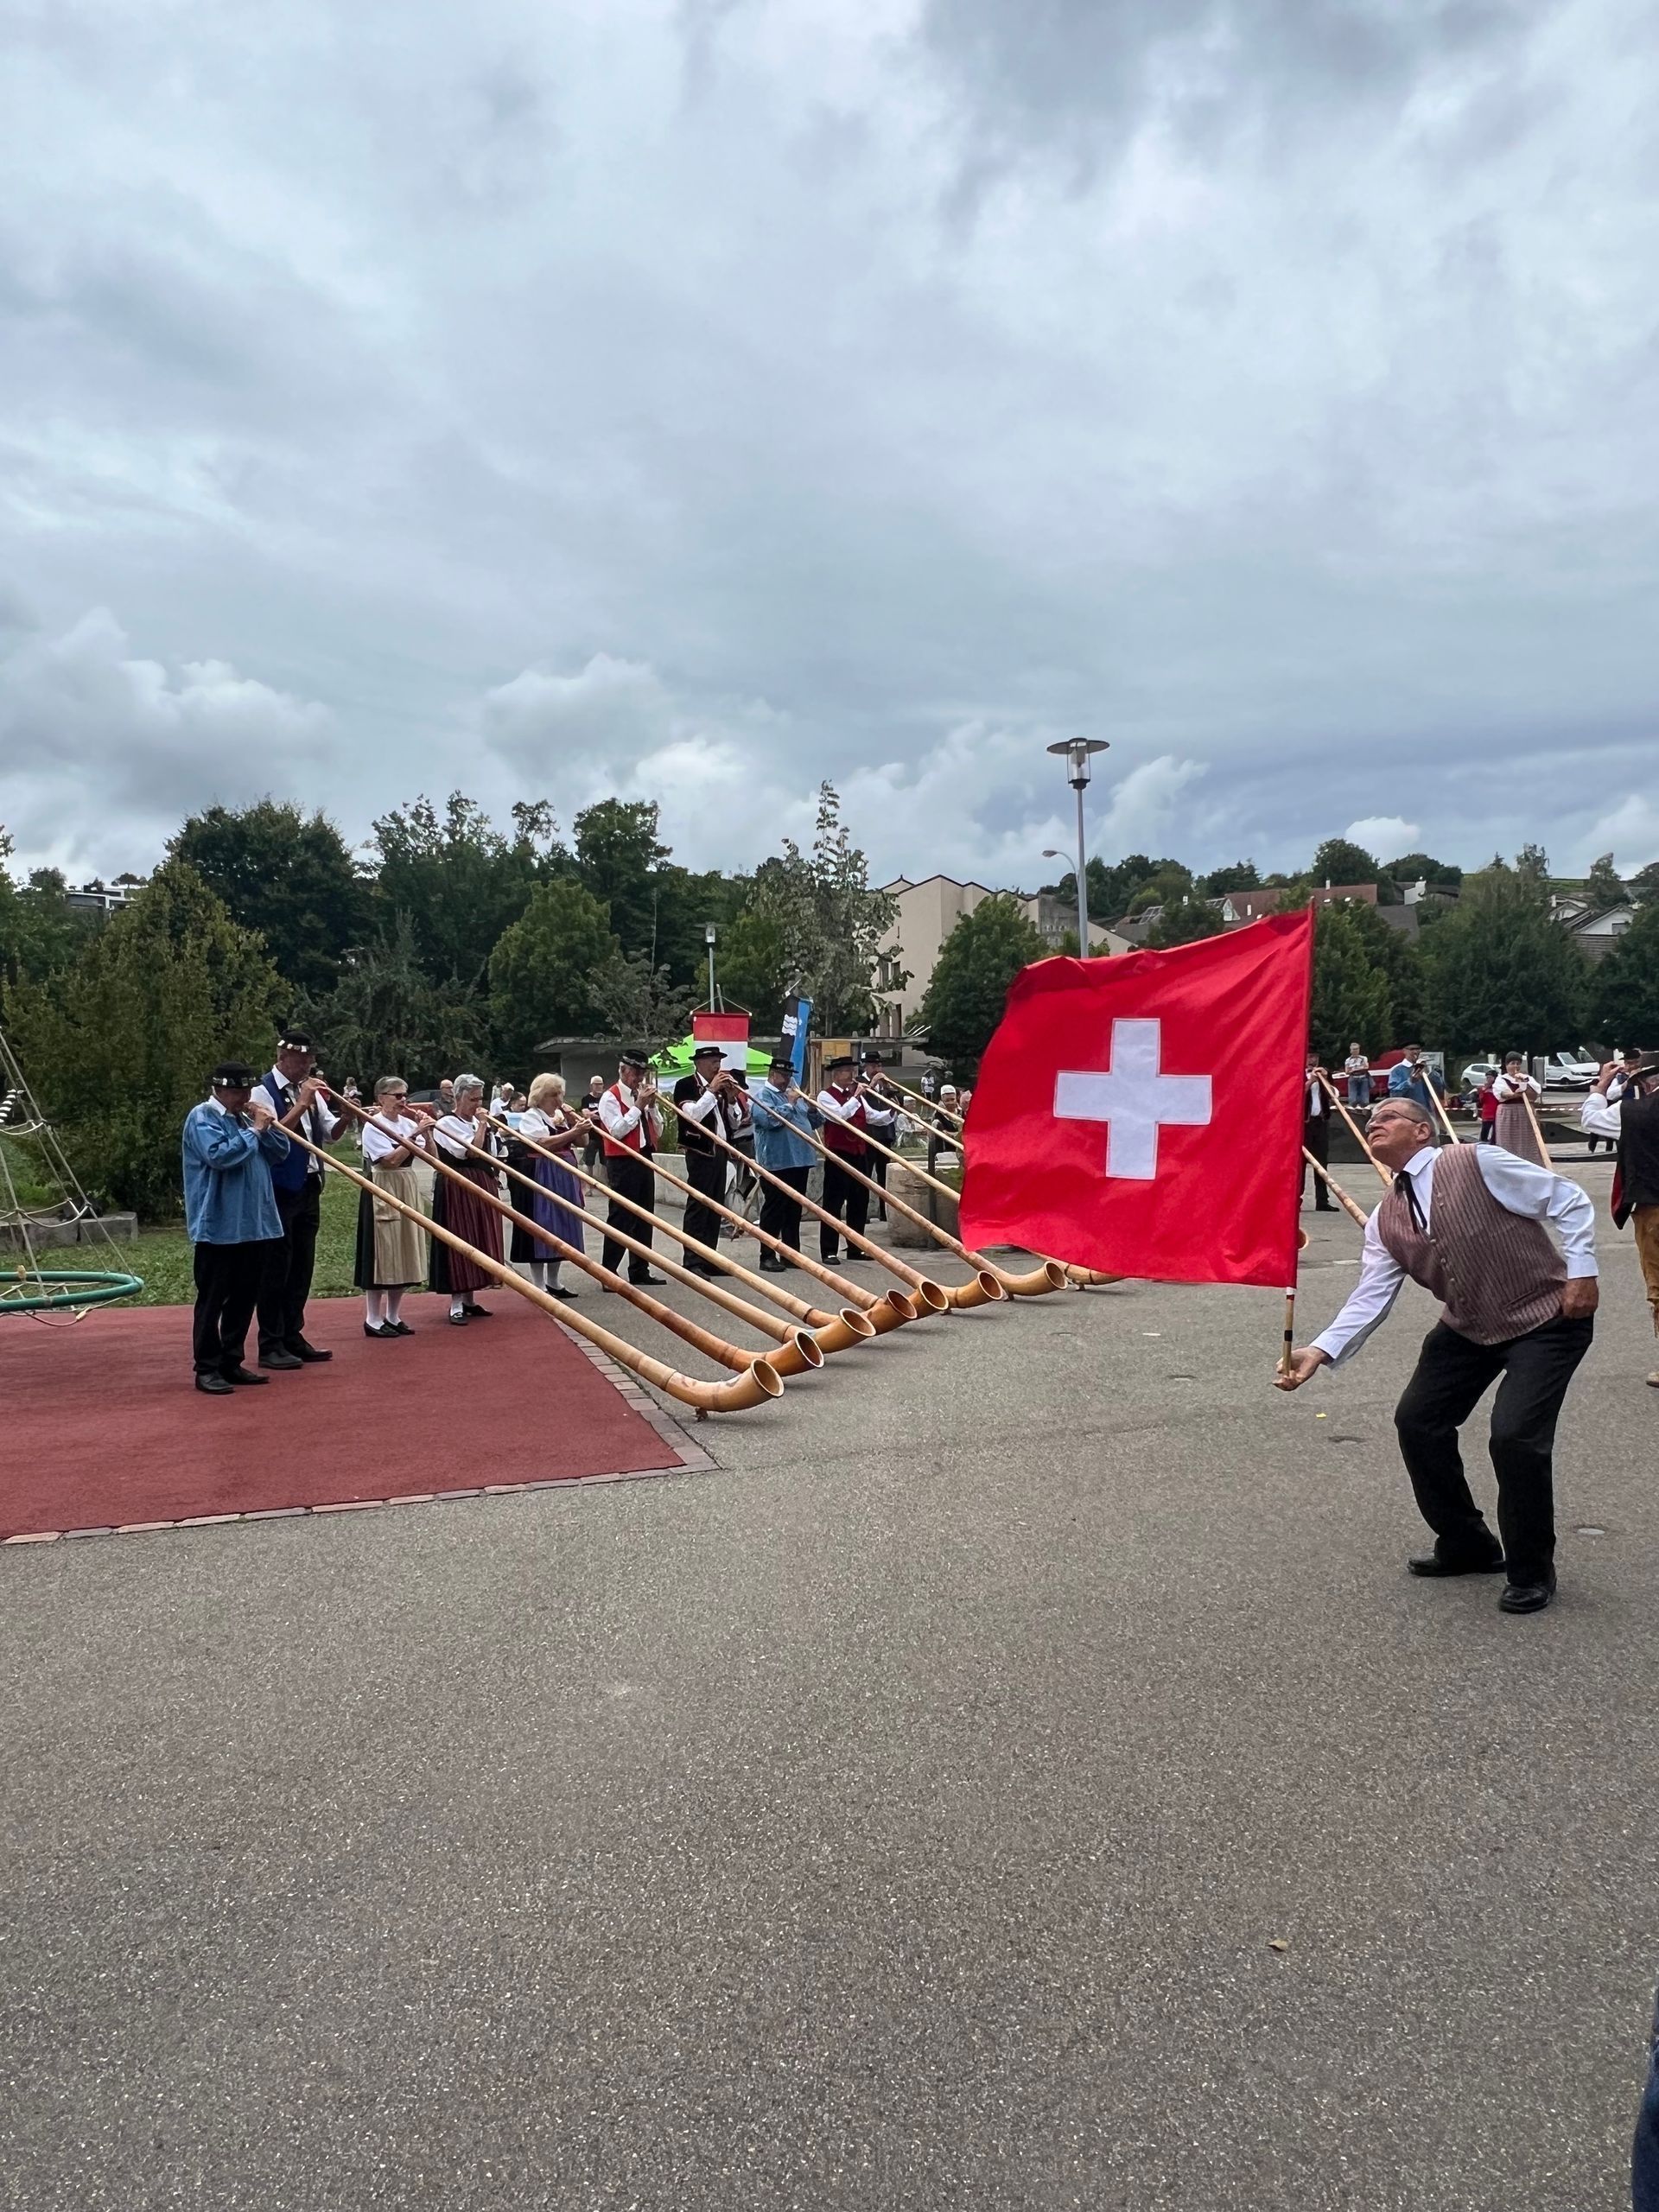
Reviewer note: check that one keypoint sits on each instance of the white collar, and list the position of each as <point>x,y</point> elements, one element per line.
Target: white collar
<point>217,1103</point>
<point>1421,1161</point>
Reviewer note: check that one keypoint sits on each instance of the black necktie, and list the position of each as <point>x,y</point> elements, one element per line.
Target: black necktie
<point>1408,1189</point>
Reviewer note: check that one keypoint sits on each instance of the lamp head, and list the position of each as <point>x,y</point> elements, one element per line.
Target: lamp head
<point>1077,752</point>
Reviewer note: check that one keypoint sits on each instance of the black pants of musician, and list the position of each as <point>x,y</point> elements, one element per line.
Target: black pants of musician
<point>706,1173</point>
<point>876,1168</point>
<point>633,1178</point>
<point>1316,1136</point>
<point>780,1215</point>
<point>287,1283</point>
<point>848,1201</point>
<point>228,1277</point>
<point>1453,1374</point>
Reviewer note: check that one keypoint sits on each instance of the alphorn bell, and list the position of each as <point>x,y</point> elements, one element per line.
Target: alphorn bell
<point>759,1380</point>
<point>864,1315</point>
<point>703,1340</point>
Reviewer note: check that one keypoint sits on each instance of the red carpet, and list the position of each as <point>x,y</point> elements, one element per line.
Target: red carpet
<point>103,1427</point>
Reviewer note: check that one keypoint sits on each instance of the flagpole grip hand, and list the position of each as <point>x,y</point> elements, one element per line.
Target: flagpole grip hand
<point>1304,1365</point>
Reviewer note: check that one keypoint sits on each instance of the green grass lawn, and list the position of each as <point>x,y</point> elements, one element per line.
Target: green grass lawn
<point>161,1256</point>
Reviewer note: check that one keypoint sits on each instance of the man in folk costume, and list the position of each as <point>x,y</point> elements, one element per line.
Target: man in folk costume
<point>710,1098</point>
<point>1624,1108</point>
<point>1315,1130</point>
<point>1468,1223</point>
<point>632,1123</point>
<point>783,1120</point>
<point>881,1120</point>
<point>841,1104</point>
<point>232,1144</point>
<point>1512,1089</point>
<point>299,1097</point>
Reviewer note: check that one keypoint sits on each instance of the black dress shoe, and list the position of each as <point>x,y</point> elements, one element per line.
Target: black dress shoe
<point>770,1265</point>
<point>1527,1597</point>
<point>398,1329</point>
<point>559,1290</point>
<point>649,1282</point>
<point>476,1312</point>
<point>1431,1563</point>
<point>280,1358</point>
<point>216,1386</point>
<point>697,1267</point>
<point>379,1334</point>
<point>246,1375</point>
<point>308,1355</point>
<point>458,1320</point>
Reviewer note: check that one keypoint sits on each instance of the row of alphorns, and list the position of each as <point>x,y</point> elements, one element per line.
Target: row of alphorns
<point>800,1335</point>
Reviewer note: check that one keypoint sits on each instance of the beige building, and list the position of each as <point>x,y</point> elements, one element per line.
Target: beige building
<point>928,911</point>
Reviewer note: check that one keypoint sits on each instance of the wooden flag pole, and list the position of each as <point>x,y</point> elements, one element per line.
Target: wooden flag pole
<point>1290,1330</point>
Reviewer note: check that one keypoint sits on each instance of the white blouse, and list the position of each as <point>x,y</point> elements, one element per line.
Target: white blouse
<point>455,1132</point>
<point>378,1142</point>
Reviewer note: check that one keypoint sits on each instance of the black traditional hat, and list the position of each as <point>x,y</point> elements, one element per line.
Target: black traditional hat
<point>234,1075</point>
<point>634,1055</point>
<point>840,1060</point>
<point>702,1052</point>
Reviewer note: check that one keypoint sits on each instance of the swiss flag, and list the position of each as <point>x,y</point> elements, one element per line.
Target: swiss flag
<point>1143,1114</point>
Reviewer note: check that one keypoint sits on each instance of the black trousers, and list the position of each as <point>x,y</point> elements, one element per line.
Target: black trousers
<point>706,1173</point>
<point>780,1215</point>
<point>1453,1374</point>
<point>228,1277</point>
<point>876,1168</point>
<point>633,1178</point>
<point>847,1200</point>
<point>286,1282</point>
<point>1316,1136</point>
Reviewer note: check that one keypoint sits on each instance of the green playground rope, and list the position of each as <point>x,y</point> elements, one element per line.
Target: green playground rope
<point>33,1290</point>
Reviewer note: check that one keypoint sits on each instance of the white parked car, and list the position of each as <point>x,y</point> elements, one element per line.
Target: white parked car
<point>1568,1071</point>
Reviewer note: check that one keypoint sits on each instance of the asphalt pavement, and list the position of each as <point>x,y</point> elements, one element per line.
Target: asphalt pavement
<point>1021,1775</point>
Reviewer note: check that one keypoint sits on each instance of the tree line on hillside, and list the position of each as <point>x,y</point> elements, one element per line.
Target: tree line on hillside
<point>457,943</point>
<point>1493,970</point>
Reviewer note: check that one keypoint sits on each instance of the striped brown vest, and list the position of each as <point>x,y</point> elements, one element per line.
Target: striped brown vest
<point>1496,1272</point>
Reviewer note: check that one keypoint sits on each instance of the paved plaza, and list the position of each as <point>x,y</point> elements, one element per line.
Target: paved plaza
<point>905,1815</point>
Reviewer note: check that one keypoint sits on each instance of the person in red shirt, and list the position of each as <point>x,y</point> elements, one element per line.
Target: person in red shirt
<point>1486,1107</point>
<point>841,1104</point>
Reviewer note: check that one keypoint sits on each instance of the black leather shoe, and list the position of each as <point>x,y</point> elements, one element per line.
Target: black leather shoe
<point>559,1290</point>
<point>215,1386</point>
<point>398,1329</point>
<point>772,1266</point>
<point>458,1320</point>
<point>1431,1563</point>
<point>380,1334</point>
<point>1527,1597</point>
<point>649,1282</point>
<point>476,1312</point>
<point>696,1268</point>
<point>308,1355</point>
<point>246,1375</point>
<point>280,1359</point>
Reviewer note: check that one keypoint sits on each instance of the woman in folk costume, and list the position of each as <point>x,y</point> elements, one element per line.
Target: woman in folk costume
<point>459,1210</point>
<point>391,1248</point>
<point>1515,1129</point>
<point>548,1123</point>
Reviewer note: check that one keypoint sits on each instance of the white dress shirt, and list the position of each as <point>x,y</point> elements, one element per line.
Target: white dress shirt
<point>316,1122</point>
<point>1599,1117</point>
<point>1508,1088</point>
<point>1313,1105</point>
<point>378,1141</point>
<point>1537,1193</point>
<point>620,1121</point>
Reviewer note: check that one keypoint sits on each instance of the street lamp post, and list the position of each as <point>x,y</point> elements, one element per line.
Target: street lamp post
<point>1077,752</point>
<point>709,933</point>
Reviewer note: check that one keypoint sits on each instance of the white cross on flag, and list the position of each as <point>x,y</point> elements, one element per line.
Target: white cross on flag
<point>1143,1114</point>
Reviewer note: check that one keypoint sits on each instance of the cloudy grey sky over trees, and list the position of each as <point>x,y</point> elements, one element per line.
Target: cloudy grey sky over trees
<point>691,399</point>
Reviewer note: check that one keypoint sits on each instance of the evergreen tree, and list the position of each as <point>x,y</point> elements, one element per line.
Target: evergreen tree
<point>292,879</point>
<point>119,1047</point>
<point>1643,886</point>
<point>1502,973</point>
<point>542,968</point>
<point>969,986</point>
<point>1625,987</point>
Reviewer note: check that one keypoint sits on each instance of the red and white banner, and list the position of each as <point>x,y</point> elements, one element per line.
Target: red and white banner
<point>730,1032</point>
<point>1143,1114</point>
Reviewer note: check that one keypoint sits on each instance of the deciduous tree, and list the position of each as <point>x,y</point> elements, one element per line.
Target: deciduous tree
<point>291,878</point>
<point>542,968</point>
<point>1625,987</point>
<point>969,985</point>
<point>1502,973</point>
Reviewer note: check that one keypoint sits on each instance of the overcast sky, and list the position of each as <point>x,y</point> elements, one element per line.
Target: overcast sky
<point>692,399</point>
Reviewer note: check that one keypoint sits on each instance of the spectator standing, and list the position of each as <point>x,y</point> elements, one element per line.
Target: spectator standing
<point>593,1147</point>
<point>1357,1068</point>
<point>1486,1107</point>
<point>230,1144</point>
<point>1315,1130</point>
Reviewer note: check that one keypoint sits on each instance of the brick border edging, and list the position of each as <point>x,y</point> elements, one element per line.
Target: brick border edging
<point>688,1458</point>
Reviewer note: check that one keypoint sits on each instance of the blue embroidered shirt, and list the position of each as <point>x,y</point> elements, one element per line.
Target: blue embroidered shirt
<point>776,1147</point>
<point>227,1194</point>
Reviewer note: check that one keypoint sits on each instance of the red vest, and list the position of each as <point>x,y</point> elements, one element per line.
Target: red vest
<point>849,1142</point>
<point>637,1140</point>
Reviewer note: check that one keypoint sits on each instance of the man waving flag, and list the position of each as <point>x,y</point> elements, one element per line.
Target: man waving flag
<point>1142,1115</point>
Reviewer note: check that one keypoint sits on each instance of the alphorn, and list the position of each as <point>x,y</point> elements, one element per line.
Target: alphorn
<point>758,1381</point>
<point>1359,1133</point>
<point>703,1340</point>
<point>931,1104</point>
<point>932,1297</point>
<point>1349,1205</point>
<point>1049,1276</point>
<point>830,1331</point>
<point>799,1349</point>
<point>1537,1129</point>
